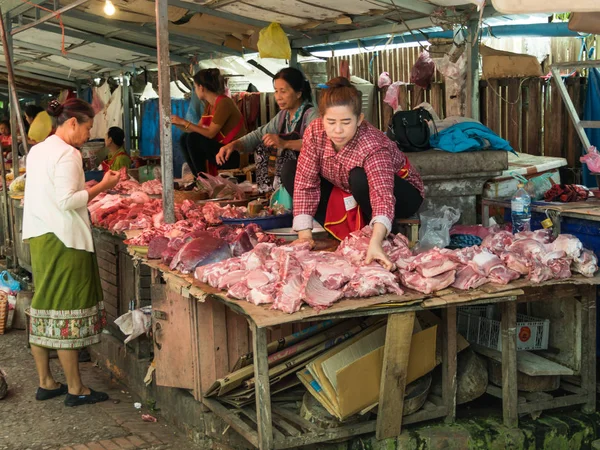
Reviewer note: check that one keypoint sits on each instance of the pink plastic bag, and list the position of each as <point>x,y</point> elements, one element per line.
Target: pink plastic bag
<point>391,96</point>
<point>423,70</point>
<point>384,80</point>
<point>592,159</point>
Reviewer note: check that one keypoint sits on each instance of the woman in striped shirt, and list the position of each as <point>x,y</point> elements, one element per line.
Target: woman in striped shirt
<point>344,157</point>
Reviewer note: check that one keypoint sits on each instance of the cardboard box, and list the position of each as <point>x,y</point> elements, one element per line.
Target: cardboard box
<point>502,64</point>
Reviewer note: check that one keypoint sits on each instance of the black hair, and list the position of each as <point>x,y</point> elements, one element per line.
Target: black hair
<point>296,80</point>
<point>33,110</point>
<point>73,107</point>
<point>5,122</point>
<point>340,92</point>
<point>210,79</point>
<point>117,135</point>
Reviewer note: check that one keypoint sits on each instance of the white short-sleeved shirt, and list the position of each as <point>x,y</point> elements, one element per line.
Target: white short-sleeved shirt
<point>55,195</point>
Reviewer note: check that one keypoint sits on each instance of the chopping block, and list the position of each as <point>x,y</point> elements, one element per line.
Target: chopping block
<point>456,179</point>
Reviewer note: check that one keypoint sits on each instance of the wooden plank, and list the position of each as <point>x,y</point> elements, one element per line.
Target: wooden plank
<point>212,340</point>
<point>509,364</point>
<point>106,256</point>
<point>110,288</point>
<point>588,347</point>
<point>484,93</point>
<point>514,113</point>
<point>105,246</point>
<point>572,142</point>
<point>231,419</point>
<point>252,416</point>
<point>294,418</point>
<point>449,364</point>
<point>263,388</point>
<point>529,363</point>
<point>285,425</point>
<point>316,437</point>
<point>111,309</point>
<point>238,343</point>
<point>493,114</point>
<point>108,277</point>
<point>108,266</point>
<point>495,391</point>
<point>532,116</point>
<point>425,414</point>
<point>393,374</point>
<point>559,402</point>
<point>554,125</point>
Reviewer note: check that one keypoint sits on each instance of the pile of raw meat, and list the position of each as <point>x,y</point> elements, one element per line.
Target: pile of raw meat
<point>288,276</point>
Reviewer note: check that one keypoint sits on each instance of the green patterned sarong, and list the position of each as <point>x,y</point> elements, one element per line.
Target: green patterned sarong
<point>66,310</point>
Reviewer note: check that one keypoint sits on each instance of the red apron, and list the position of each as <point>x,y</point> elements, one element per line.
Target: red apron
<point>221,138</point>
<point>107,164</point>
<point>343,215</point>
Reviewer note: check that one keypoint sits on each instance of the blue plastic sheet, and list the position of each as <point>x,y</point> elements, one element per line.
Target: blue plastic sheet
<point>592,112</point>
<point>149,133</point>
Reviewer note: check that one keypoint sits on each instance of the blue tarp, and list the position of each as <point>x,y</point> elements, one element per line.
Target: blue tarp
<point>592,112</point>
<point>149,136</point>
<point>468,136</point>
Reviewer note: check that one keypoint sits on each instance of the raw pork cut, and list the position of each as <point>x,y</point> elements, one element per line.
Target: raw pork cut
<point>419,283</point>
<point>498,242</point>
<point>317,295</point>
<point>586,264</point>
<point>467,278</point>
<point>568,244</point>
<point>491,266</point>
<point>529,248</point>
<point>372,280</point>
<point>516,262</point>
<point>157,246</point>
<point>203,250</point>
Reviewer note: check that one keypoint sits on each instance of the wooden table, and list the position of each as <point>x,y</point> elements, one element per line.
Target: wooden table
<point>401,314</point>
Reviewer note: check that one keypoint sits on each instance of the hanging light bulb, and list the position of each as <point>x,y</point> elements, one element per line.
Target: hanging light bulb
<point>109,8</point>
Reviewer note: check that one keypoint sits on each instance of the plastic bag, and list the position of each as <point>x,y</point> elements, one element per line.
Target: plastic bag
<point>219,187</point>
<point>274,43</point>
<point>282,197</point>
<point>8,282</point>
<point>423,70</point>
<point>435,228</point>
<point>18,185</point>
<point>391,96</point>
<point>592,159</point>
<point>384,80</point>
<point>455,70</point>
<point>135,323</point>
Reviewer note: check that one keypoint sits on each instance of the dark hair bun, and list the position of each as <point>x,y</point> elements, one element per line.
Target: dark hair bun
<point>339,82</point>
<point>54,108</point>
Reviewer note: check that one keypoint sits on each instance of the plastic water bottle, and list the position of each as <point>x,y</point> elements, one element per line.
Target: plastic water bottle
<point>521,210</point>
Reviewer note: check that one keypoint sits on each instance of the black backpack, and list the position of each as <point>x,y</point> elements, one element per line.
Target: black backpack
<point>410,130</point>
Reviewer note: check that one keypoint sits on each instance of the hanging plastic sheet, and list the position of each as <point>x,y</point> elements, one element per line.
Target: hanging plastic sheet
<point>149,131</point>
<point>592,112</point>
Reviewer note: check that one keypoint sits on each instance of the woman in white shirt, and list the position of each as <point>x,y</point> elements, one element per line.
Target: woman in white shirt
<point>67,313</point>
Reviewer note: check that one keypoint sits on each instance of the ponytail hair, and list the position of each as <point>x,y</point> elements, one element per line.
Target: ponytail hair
<point>340,92</point>
<point>211,80</point>
<point>73,107</point>
<point>296,80</point>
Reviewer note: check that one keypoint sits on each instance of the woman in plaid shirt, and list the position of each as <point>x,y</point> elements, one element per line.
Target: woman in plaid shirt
<point>343,153</point>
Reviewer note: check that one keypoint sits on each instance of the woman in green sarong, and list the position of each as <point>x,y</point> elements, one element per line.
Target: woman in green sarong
<point>67,313</point>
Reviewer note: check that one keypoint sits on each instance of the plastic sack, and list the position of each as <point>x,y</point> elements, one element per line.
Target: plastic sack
<point>18,185</point>
<point>423,70</point>
<point>274,43</point>
<point>282,197</point>
<point>435,228</point>
<point>8,282</point>
<point>384,80</point>
<point>219,187</point>
<point>592,159</point>
<point>135,323</point>
<point>391,96</point>
<point>454,70</point>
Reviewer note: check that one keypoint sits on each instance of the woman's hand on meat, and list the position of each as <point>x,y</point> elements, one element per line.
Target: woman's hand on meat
<point>111,179</point>
<point>305,236</point>
<point>375,251</point>
<point>272,140</point>
<point>225,152</point>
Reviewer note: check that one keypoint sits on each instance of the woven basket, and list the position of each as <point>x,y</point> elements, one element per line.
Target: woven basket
<point>3,313</point>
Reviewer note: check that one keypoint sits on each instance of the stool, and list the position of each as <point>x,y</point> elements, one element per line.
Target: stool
<point>410,228</point>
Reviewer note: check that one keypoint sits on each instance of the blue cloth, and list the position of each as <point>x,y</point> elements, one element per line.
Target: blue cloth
<point>468,136</point>
<point>591,112</point>
<point>149,132</point>
<point>195,109</point>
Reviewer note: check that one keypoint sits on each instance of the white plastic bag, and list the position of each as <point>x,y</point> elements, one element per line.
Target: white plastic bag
<point>435,228</point>
<point>135,323</point>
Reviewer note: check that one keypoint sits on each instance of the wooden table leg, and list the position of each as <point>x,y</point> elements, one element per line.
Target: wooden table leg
<point>588,346</point>
<point>393,374</point>
<point>509,365</point>
<point>263,389</point>
<point>449,362</point>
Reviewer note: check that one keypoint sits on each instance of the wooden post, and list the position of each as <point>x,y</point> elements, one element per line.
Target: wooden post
<point>7,46</point>
<point>472,107</point>
<point>449,364</point>
<point>588,344</point>
<point>509,365</point>
<point>127,113</point>
<point>164,108</point>
<point>263,388</point>
<point>294,59</point>
<point>398,337</point>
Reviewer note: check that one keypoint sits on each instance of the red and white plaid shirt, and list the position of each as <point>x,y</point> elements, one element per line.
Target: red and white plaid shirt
<point>370,149</point>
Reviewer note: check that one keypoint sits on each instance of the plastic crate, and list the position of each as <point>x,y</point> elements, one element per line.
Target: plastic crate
<point>532,332</point>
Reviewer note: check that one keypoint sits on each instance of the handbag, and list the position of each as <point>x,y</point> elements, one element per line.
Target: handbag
<point>410,130</point>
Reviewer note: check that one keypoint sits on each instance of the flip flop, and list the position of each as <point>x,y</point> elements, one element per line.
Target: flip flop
<point>46,394</point>
<point>78,400</point>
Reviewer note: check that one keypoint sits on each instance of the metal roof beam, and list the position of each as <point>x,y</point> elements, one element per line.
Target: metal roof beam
<point>25,7</point>
<point>123,45</point>
<point>47,17</point>
<point>195,7</point>
<point>178,38</point>
<point>51,65</point>
<point>46,72</point>
<point>35,76</point>
<point>74,56</point>
<point>380,30</point>
<point>410,5</point>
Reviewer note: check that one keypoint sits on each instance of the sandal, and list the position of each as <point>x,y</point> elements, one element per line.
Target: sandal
<point>46,394</point>
<point>91,398</point>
